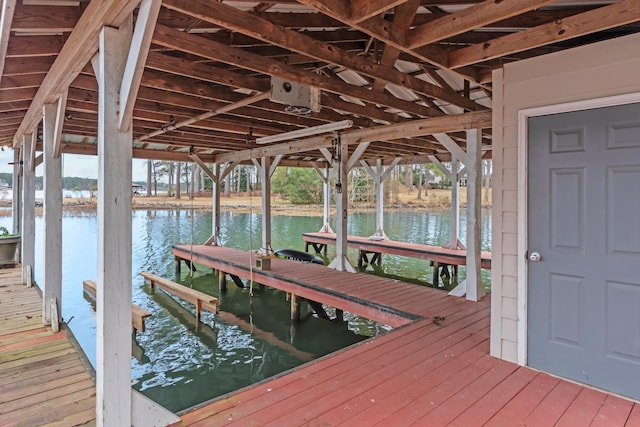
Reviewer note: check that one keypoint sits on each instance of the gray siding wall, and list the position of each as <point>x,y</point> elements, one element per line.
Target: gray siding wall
<point>600,70</point>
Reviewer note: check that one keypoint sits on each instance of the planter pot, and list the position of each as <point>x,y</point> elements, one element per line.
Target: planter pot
<point>8,247</point>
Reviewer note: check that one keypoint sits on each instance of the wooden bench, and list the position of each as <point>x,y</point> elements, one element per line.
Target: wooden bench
<point>201,300</point>
<point>138,314</point>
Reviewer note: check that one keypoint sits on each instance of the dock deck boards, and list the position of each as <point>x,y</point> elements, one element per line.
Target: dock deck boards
<point>42,378</point>
<point>377,298</point>
<point>393,247</point>
<point>425,373</point>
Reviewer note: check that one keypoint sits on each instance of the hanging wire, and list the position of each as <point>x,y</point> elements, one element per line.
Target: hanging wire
<point>250,238</point>
<point>191,196</point>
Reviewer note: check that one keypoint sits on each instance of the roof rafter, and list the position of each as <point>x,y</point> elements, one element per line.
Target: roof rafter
<point>468,19</point>
<point>261,29</point>
<point>625,12</point>
<point>365,9</point>
<point>6,18</point>
<point>451,123</point>
<point>81,45</point>
<point>200,46</point>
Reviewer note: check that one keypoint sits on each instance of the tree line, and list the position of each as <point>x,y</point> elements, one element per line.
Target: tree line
<point>295,184</point>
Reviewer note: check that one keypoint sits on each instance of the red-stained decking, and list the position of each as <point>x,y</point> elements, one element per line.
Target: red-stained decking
<point>42,378</point>
<point>392,247</point>
<point>383,300</point>
<point>427,372</point>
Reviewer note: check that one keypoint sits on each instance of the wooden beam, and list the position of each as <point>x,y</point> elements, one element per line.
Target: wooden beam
<point>183,67</point>
<point>625,12</point>
<point>380,29</point>
<point>58,19</point>
<point>52,248</point>
<point>468,19</point>
<point>59,123</point>
<point>357,154</point>
<point>365,9</point>
<point>474,196</point>
<point>6,19</point>
<point>138,50</point>
<point>81,45</point>
<point>402,18</point>
<point>451,145</point>
<point>233,19</point>
<point>113,301</point>
<point>223,109</point>
<point>28,226</point>
<point>200,46</point>
<point>204,167</point>
<point>452,123</point>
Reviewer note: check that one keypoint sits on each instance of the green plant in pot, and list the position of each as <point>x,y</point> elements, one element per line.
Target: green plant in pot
<point>8,244</point>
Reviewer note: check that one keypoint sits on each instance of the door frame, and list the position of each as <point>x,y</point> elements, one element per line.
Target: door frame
<point>523,188</point>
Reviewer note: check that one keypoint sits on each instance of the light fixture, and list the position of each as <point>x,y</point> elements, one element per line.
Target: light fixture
<point>301,133</point>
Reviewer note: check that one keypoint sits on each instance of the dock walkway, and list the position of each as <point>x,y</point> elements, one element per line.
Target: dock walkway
<point>42,378</point>
<point>380,299</point>
<point>435,370</point>
<point>441,258</point>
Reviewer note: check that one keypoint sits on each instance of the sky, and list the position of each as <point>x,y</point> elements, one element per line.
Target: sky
<point>74,165</point>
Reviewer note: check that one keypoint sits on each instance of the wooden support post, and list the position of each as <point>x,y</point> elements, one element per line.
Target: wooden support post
<point>339,315</point>
<point>17,186</point>
<point>455,204</point>
<point>436,274</point>
<point>222,281</point>
<point>113,302</point>
<point>454,176</point>
<point>16,204</point>
<point>326,197</point>
<point>342,200</point>
<point>52,254</point>
<point>474,194</point>
<point>379,176</point>
<point>215,206</point>
<point>198,310</point>
<point>267,168</point>
<point>177,265</point>
<point>28,227</point>
<point>295,308</point>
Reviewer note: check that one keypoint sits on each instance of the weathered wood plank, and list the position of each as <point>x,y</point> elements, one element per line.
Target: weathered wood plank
<point>138,314</point>
<point>368,358</point>
<point>614,412</point>
<point>614,15</point>
<point>44,338</point>
<point>480,412</point>
<point>413,250</point>
<point>37,350</point>
<point>355,393</point>
<point>34,372</point>
<point>36,399</point>
<point>57,380</point>
<point>583,409</point>
<point>518,408</point>
<point>197,298</point>
<point>38,409</point>
<point>549,411</point>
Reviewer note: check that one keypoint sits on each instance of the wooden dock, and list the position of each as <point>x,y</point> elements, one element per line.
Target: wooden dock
<point>441,258</point>
<point>43,380</point>
<point>435,370</point>
<point>377,298</point>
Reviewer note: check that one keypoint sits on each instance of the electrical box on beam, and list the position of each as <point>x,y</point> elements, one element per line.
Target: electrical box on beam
<point>298,98</point>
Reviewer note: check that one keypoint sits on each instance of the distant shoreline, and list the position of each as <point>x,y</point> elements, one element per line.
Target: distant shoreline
<point>436,199</point>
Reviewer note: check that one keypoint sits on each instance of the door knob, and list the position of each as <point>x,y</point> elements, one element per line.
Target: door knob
<point>535,256</point>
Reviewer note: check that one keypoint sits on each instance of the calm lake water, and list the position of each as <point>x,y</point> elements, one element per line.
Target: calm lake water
<point>180,365</point>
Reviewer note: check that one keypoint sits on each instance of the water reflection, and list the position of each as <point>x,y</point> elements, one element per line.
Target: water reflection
<point>180,363</point>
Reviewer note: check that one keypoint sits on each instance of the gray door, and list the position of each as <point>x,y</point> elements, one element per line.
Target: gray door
<point>584,221</point>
